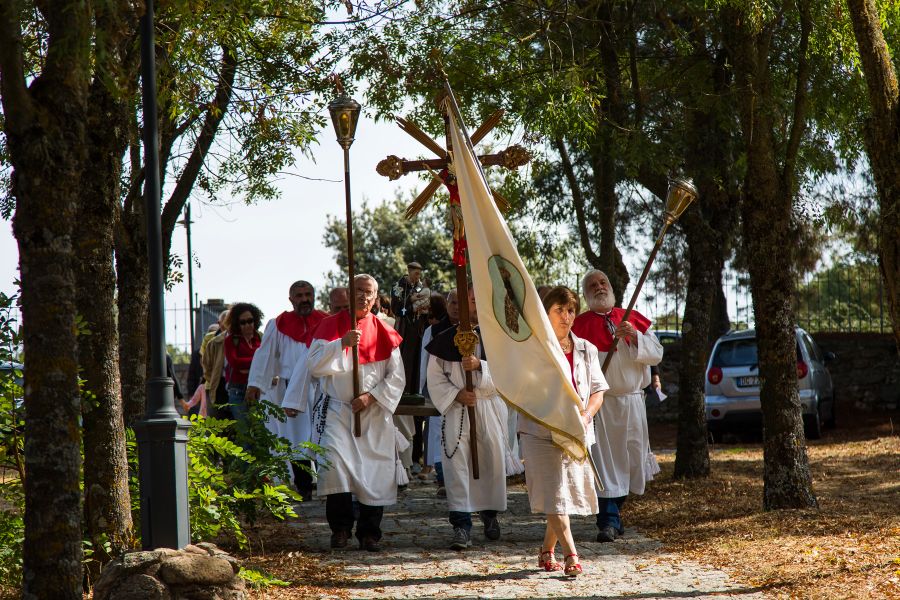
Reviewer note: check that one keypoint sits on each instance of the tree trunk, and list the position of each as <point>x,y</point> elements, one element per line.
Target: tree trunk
<point>767,232</point>
<point>133,302</point>
<point>709,229</point>
<point>107,500</point>
<point>44,124</point>
<point>882,135</point>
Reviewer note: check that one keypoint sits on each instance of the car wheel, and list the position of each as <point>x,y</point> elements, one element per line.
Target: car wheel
<point>812,426</point>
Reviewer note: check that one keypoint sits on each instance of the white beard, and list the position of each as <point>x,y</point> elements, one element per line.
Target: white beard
<point>602,303</point>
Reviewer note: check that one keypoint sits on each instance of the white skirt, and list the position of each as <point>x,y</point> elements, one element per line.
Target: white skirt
<point>557,485</point>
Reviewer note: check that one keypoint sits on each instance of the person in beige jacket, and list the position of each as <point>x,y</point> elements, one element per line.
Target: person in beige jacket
<point>213,362</point>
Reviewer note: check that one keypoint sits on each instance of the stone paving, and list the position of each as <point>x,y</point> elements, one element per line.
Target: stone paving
<point>416,563</point>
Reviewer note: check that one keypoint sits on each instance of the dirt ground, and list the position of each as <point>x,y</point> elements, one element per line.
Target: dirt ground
<point>848,548</point>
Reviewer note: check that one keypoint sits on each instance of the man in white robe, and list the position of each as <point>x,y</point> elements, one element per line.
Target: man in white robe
<point>446,385</point>
<point>357,466</point>
<point>285,344</point>
<point>622,450</point>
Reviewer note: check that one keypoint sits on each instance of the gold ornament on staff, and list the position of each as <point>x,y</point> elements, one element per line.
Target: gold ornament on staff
<point>680,195</point>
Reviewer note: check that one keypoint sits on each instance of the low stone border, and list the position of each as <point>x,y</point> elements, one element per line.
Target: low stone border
<point>198,572</point>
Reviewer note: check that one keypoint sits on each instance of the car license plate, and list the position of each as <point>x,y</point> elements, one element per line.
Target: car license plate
<point>752,381</point>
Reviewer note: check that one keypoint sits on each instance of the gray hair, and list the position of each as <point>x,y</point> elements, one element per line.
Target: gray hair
<point>587,276</point>
<point>365,276</point>
<point>301,284</point>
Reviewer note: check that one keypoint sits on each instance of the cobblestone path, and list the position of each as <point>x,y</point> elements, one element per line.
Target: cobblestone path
<point>416,563</point>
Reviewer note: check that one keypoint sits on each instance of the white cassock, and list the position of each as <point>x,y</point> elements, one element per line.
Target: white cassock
<point>433,447</point>
<point>464,493</point>
<point>276,357</point>
<point>362,465</point>
<point>622,450</point>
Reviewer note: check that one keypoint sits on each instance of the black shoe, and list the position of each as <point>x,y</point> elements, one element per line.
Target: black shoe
<point>461,539</point>
<point>492,529</point>
<point>369,544</point>
<point>339,539</point>
<point>607,534</point>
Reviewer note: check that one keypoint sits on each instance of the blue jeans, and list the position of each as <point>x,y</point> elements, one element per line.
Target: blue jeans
<point>439,472</point>
<point>609,513</point>
<point>238,407</point>
<point>464,519</point>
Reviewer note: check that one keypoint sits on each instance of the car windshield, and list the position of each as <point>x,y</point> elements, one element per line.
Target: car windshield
<point>736,353</point>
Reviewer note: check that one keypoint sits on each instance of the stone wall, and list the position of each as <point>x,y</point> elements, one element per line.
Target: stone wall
<point>866,374</point>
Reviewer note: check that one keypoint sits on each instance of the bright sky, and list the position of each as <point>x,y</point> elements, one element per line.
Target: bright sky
<point>253,253</point>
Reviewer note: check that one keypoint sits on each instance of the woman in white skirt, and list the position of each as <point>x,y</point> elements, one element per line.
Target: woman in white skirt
<point>557,485</point>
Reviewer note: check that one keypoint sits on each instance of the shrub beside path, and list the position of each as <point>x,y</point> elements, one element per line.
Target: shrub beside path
<point>416,563</point>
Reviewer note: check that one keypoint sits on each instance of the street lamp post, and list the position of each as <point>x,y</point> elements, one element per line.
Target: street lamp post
<point>190,273</point>
<point>344,116</point>
<point>162,434</point>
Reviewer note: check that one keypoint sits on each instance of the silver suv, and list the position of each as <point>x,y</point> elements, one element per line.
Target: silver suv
<point>732,384</point>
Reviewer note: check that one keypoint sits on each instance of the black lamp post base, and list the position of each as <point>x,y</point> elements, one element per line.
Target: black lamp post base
<point>162,455</point>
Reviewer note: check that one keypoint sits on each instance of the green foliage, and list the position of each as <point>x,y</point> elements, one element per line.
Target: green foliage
<point>384,242</point>
<point>847,296</point>
<point>12,446</point>
<point>228,484</point>
<point>179,356</point>
<point>258,579</point>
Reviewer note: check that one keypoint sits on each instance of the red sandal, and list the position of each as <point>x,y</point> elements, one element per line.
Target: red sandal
<point>550,564</point>
<point>575,568</point>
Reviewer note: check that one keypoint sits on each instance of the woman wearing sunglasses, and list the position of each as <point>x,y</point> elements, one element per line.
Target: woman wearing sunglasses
<point>241,342</point>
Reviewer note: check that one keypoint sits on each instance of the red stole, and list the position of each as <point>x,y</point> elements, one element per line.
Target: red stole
<point>376,342</point>
<point>298,328</point>
<point>592,326</point>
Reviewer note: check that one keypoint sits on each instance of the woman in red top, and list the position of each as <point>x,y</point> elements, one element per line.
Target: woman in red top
<point>240,344</point>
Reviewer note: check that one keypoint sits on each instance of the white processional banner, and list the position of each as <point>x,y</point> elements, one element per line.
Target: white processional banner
<point>528,366</point>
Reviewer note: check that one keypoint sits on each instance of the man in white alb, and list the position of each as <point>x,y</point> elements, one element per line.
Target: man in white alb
<point>622,451</point>
<point>357,466</point>
<point>285,343</point>
<point>447,386</point>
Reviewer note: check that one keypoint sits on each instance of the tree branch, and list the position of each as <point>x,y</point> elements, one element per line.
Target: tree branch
<point>801,95</point>
<point>214,115</point>
<point>17,105</point>
<point>577,201</point>
<point>875,58</point>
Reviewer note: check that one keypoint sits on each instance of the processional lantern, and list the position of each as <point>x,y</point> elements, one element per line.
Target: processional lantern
<point>344,116</point>
<point>680,195</point>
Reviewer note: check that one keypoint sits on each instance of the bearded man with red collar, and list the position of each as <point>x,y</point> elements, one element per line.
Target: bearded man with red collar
<point>285,344</point>
<point>363,466</point>
<point>622,451</point>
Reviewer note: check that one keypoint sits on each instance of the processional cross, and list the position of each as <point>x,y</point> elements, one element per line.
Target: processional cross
<point>394,167</point>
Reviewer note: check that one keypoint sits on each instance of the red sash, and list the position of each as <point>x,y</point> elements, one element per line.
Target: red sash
<point>298,328</point>
<point>376,342</point>
<point>592,326</point>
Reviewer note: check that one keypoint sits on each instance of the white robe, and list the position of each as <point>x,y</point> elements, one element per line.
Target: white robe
<point>362,465</point>
<point>277,356</point>
<point>433,451</point>
<point>464,493</point>
<point>622,450</point>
